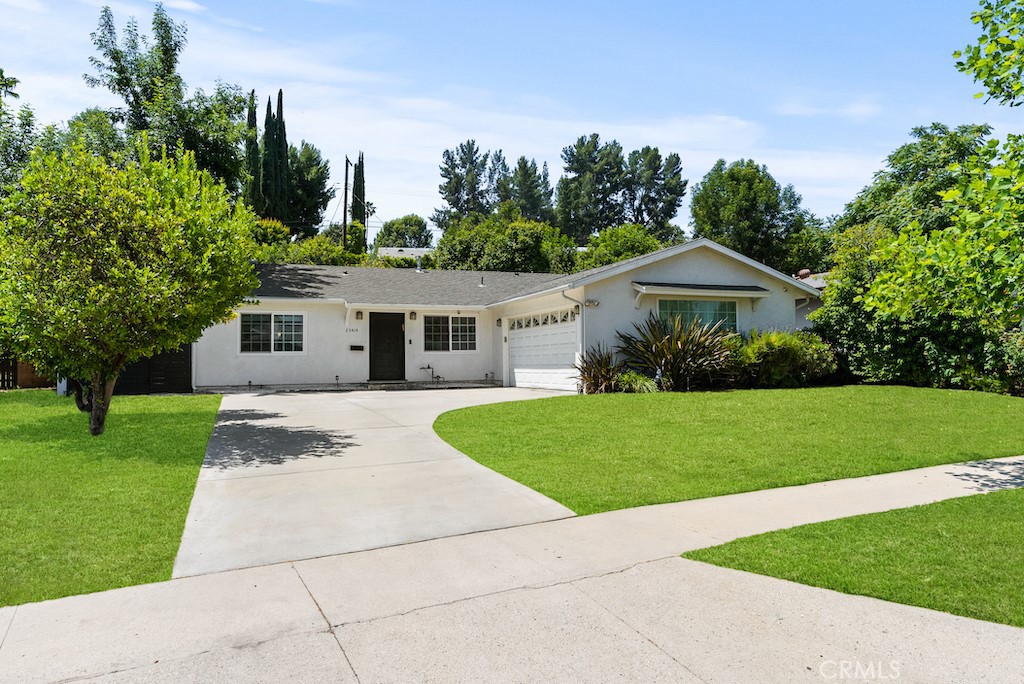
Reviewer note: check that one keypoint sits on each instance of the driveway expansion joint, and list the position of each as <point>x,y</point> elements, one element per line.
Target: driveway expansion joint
<point>14,616</point>
<point>523,587</point>
<point>632,628</point>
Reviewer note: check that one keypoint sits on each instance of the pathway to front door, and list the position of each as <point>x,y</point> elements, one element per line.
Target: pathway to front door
<point>302,475</point>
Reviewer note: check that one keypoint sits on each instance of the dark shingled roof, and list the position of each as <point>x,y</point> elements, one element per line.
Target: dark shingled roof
<point>397,286</point>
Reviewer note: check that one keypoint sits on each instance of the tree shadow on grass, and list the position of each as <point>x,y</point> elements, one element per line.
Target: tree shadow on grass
<point>993,475</point>
<point>241,440</point>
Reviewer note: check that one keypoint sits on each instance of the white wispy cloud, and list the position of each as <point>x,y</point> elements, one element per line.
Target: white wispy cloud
<point>857,109</point>
<point>184,5</point>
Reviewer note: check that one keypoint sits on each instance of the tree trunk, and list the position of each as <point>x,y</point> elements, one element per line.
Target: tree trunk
<point>102,391</point>
<point>83,397</point>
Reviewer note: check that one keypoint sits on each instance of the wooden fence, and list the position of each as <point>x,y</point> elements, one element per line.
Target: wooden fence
<point>8,373</point>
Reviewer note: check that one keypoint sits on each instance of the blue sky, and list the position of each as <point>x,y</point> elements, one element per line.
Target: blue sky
<point>819,91</point>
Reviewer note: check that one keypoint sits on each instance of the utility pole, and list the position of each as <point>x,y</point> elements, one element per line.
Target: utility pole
<point>344,212</point>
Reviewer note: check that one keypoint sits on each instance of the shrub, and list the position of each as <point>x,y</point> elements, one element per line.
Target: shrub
<point>598,370</point>
<point>635,383</point>
<point>270,231</point>
<point>1013,350</point>
<point>684,356</point>
<point>784,359</point>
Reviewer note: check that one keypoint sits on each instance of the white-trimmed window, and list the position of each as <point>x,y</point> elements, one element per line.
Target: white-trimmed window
<point>701,311</point>
<point>264,333</point>
<point>449,333</point>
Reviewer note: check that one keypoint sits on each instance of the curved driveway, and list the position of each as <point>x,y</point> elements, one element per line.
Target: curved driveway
<point>302,475</point>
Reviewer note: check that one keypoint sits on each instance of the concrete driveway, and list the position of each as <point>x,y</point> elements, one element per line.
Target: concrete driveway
<point>302,475</point>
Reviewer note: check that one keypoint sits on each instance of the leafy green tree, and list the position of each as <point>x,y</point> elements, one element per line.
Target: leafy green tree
<point>310,192</point>
<point>136,69</point>
<point>653,190</point>
<point>505,241</point>
<point>408,231</point>
<point>995,59</point>
<point>8,84</point>
<point>210,126</point>
<point>93,129</point>
<point>18,136</point>
<point>530,191</point>
<point>741,206</point>
<point>590,192</point>
<point>940,347</point>
<point>975,268</point>
<point>143,73</point>
<point>102,265</point>
<point>916,175</point>
<point>618,243</point>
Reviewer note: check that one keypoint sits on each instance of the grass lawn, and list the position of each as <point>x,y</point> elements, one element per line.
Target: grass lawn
<point>82,513</point>
<point>960,556</point>
<point>603,452</point>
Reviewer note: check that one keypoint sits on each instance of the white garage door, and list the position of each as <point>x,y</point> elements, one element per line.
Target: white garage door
<point>542,350</point>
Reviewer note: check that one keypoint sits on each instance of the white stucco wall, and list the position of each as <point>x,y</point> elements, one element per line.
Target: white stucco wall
<point>329,334</point>
<point>802,322</point>
<point>615,311</point>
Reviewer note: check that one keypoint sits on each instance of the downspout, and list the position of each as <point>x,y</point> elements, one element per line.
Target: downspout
<point>583,324</point>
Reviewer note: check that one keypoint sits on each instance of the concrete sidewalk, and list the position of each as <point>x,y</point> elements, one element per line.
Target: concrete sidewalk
<point>302,475</point>
<point>603,598</point>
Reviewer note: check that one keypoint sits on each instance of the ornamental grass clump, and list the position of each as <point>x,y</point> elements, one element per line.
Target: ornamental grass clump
<point>598,371</point>
<point>684,356</point>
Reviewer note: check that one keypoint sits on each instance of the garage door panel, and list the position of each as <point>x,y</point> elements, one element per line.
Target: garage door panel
<point>543,356</point>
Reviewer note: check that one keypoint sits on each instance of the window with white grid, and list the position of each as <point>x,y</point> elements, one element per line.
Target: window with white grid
<point>463,333</point>
<point>288,332</point>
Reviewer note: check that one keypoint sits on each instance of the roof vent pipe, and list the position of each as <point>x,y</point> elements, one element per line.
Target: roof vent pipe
<point>481,282</point>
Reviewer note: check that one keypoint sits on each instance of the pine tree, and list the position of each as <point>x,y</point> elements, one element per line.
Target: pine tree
<point>251,192</point>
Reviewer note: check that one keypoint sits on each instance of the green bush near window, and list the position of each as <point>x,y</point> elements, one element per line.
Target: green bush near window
<point>778,359</point>
<point>683,355</point>
<point>632,382</point>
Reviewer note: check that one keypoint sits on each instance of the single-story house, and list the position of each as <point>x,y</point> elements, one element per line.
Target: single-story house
<point>321,325</point>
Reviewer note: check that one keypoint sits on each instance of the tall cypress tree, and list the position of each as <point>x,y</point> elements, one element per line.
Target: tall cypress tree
<point>359,210</point>
<point>268,170</point>
<point>285,211</point>
<point>251,191</point>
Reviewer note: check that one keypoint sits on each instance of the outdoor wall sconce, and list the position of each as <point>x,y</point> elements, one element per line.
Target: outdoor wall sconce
<point>591,302</point>
<point>576,309</point>
<point>499,322</point>
<point>359,315</point>
<point>412,315</point>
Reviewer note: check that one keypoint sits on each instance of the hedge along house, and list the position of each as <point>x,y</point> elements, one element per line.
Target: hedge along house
<point>326,325</point>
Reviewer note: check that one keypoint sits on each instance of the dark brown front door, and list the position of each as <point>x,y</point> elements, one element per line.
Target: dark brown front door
<point>387,346</point>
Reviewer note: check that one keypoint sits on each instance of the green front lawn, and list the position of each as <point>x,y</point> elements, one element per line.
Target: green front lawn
<point>82,513</point>
<point>603,452</point>
<point>960,556</point>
